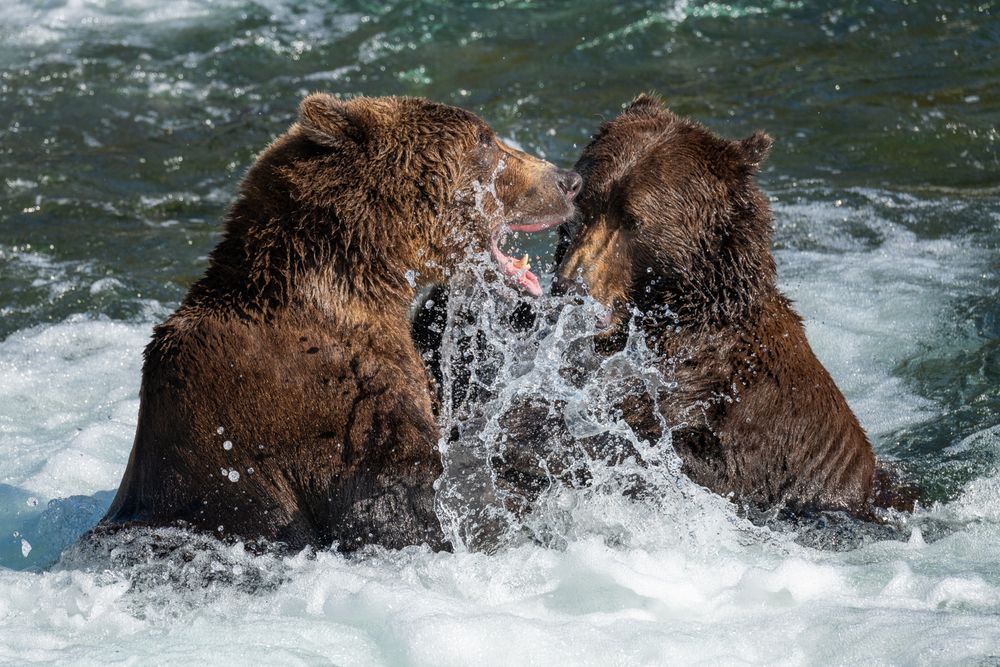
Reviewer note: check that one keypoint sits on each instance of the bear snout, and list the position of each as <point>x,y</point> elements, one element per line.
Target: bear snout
<point>569,183</point>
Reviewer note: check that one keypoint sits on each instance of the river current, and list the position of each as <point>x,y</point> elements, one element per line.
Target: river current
<point>126,126</point>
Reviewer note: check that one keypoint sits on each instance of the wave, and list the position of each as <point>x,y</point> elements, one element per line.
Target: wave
<point>591,578</point>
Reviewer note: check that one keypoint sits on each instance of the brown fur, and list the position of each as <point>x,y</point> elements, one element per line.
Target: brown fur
<point>672,226</point>
<point>296,342</point>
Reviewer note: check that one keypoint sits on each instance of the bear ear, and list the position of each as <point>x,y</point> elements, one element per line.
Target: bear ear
<point>646,104</point>
<point>755,148</point>
<point>327,120</point>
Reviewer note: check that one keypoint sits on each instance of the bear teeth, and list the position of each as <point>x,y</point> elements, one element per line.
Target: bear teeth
<point>521,264</point>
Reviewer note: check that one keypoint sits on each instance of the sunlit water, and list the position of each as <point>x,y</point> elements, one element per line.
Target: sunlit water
<point>126,126</point>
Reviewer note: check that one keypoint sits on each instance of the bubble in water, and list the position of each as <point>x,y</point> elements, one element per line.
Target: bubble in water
<point>234,476</point>
<point>227,445</point>
<point>25,547</point>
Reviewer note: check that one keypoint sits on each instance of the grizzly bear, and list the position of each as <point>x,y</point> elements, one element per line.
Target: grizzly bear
<point>284,401</point>
<point>673,235</point>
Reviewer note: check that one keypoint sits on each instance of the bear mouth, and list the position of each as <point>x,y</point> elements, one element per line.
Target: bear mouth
<point>518,271</point>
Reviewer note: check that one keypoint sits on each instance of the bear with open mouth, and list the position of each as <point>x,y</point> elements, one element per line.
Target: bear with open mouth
<point>284,400</point>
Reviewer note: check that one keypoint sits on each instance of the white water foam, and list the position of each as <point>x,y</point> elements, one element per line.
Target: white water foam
<point>591,603</point>
<point>68,405</point>
<point>683,581</point>
<point>38,23</point>
<point>31,23</point>
<point>869,305</point>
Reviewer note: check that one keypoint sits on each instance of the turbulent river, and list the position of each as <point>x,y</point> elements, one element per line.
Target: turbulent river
<point>126,126</point>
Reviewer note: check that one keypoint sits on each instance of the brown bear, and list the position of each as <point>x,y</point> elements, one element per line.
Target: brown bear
<point>673,235</point>
<point>284,401</point>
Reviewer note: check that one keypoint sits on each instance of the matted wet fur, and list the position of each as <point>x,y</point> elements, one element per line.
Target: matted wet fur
<point>284,400</point>
<point>673,234</point>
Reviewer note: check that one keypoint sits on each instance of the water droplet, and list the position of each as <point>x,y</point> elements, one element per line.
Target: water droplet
<point>227,445</point>
<point>234,476</point>
<point>220,430</point>
<point>249,471</point>
<point>411,277</point>
<point>25,547</point>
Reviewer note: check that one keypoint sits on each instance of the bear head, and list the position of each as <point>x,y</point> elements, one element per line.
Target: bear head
<point>416,187</point>
<point>669,221</point>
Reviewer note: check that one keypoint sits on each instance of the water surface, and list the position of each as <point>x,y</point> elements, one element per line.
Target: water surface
<point>126,127</point>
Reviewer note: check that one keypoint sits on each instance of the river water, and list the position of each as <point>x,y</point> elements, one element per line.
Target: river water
<point>126,126</point>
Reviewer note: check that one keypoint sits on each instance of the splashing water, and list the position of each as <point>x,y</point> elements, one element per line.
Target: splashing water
<point>481,189</point>
<point>128,126</point>
<point>491,372</point>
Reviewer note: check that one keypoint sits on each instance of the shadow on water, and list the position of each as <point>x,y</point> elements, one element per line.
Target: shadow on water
<point>35,534</point>
<point>165,571</point>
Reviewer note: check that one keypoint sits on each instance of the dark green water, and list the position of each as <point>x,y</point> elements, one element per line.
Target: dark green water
<point>126,127</point>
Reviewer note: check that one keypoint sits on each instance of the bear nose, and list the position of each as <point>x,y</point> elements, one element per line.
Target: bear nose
<point>570,183</point>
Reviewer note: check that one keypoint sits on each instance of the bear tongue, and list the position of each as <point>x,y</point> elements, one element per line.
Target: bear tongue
<point>516,270</point>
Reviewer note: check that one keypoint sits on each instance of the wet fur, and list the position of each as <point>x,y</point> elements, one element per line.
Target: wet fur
<point>672,226</point>
<point>297,339</point>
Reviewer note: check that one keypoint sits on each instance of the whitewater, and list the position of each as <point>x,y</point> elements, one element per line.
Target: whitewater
<point>126,126</point>
<point>683,581</point>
